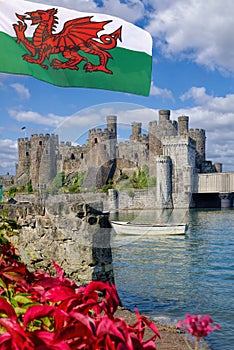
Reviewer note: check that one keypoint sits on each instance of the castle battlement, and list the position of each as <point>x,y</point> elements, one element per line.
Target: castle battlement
<point>123,143</point>
<point>200,132</point>
<point>163,159</point>
<point>184,140</point>
<point>23,140</point>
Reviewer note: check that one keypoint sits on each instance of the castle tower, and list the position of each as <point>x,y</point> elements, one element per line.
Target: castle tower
<point>199,136</point>
<point>48,165</point>
<point>100,157</point>
<point>164,115</point>
<point>111,121</point>
<point>136,131</point>
<point>23,166</point>
<point>43,159</point>
<point>183,122</point>
<point>164,127</point>
<point>182,151</point>
<point>164,182</point>
<point>155,145</point>
<point>218,167</point>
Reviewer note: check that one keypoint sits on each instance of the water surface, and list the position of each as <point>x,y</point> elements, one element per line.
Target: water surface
<point>167,277</point>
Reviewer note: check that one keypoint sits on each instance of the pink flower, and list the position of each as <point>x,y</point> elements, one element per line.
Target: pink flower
<point>197,325</point>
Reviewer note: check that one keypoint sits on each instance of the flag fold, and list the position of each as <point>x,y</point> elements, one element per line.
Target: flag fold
<point>74,49</point>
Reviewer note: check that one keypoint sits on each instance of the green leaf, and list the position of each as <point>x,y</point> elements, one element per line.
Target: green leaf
<point>2,284</point>
<point>19,298</point>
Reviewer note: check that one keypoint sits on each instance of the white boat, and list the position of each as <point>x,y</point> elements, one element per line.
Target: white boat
<point>132,228</point>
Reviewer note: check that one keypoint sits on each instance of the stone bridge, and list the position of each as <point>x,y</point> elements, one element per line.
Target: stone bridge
<point>216,187</point>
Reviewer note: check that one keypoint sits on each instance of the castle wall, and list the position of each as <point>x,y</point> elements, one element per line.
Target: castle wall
<point>70,157</point>
<point>132,199</point>
<point>135,152</point>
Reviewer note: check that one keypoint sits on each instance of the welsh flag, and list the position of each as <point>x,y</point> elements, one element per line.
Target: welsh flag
<point>74,49</point>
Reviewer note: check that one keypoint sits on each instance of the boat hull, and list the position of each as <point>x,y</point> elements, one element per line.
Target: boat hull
<point>127,228</point>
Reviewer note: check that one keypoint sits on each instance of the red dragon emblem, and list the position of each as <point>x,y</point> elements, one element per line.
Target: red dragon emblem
<point>79,34</point>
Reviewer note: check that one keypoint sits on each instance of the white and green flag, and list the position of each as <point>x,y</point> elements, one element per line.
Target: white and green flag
<point>74,49</point>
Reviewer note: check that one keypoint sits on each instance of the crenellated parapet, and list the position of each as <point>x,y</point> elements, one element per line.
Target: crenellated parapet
<point>182,149</point>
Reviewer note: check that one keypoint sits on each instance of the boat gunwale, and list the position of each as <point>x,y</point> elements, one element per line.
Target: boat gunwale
<point>129,223</point>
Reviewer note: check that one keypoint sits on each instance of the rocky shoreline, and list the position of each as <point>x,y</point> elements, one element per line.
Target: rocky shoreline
<point>172,338</point>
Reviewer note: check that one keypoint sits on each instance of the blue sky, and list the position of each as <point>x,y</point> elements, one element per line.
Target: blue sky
<point>193,74</point>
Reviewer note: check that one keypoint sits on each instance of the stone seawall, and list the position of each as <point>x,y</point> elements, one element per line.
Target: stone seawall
<point>131,199</point>
<point>76,236</point>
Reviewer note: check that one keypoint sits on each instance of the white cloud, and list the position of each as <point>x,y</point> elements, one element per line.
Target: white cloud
<point>216,116</point>
<point>142,115</point>
<point>213,103</point>
<point>196,29</point>
<point>198,94</point>
<point>75,128</point>
<point>8,156</point>
<point>164,93</point>
<point>36,118</point>
<point>21,90</point>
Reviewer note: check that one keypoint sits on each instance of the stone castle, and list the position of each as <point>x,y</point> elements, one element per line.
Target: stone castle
<point>173,153</point>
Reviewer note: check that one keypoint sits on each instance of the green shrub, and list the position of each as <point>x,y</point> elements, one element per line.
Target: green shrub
<point>29,187</point>
<point>142,179</point>
<point>11,192</point>
<point>78,180</point>
<point>123,176</point>
<point>58,182</point>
